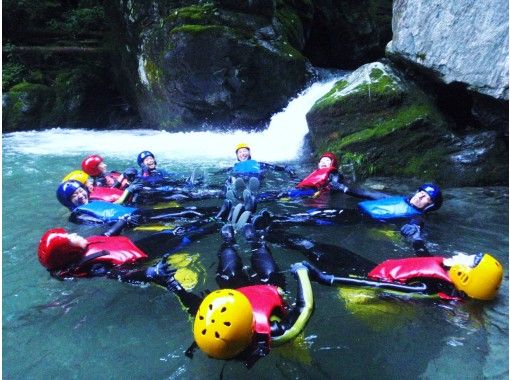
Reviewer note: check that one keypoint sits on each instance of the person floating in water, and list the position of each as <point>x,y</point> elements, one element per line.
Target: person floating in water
<point>73,195</point>
<point>475,276</point>
<point>247,315</point>
<point>246,167</point>
<point>95,167</point>
<point>326,178</point>
<point>381,207</point>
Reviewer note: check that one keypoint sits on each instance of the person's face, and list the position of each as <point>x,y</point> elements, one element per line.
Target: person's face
<point>149,162</point>
<point>77,241</point>
<point>420,200</point>
<point>102,167</point>
<point>325,162</point>
<point>80,197</point>
<point>243,154</point>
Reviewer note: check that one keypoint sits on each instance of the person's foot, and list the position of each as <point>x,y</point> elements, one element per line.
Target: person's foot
<point>262,220</point>
<point>249,201</point>
<point>225,209</point>
<point>249,232</point>
<point>254,185</point>
<point>227,233</point>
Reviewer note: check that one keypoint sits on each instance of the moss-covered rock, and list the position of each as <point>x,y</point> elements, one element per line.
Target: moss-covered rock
<point>25,105</point>
<point>385,125</point>
<point>214,63</point>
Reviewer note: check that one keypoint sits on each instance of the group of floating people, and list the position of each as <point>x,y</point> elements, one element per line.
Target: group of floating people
<point>247,315</point>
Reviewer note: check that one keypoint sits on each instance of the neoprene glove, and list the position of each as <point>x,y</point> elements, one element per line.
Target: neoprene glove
<point>339,187</point>
<point>161,272</point>
<point>297,266</point>
<point>134,188</point>
<point>411,230</point>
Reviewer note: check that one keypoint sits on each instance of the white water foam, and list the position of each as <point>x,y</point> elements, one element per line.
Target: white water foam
<point>281,141</point>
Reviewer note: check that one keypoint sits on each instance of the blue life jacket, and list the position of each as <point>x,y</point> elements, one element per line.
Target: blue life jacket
<point>247,167</point>
<point>389,208</point>
<point>100,211</point>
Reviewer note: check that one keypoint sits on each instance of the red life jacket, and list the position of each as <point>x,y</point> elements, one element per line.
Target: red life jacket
<point>117,250</point>
<point>265,300</point>
<point>404,270</point>
<point>317,179</point>
<point>107,194</point>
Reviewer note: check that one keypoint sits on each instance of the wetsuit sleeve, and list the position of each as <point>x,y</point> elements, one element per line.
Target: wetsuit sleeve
<point>266,166</point>
<point>365,194</point>
<point>298,317</point>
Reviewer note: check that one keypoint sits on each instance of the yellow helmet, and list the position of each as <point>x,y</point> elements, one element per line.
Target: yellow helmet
<point>482,281</point>
<point>224,324</point>
<point>77,175</point>
<point>242,145</point>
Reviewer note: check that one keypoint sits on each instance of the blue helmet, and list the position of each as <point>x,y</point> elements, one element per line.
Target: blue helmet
<point>65,192</point>
<point>435,194</point>
<point>143,155</point>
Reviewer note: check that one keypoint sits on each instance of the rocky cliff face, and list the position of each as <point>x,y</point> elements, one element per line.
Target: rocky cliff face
<point>461,47</point>
<point>459,41</point>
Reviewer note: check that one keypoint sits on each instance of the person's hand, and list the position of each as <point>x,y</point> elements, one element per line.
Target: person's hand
<point>337,186</point>
<point>411,230</point>
<point>130,174</point>
<point>134,188</point>
<point>294,268</point>
<point>288,169</point>
<point>161,273</point>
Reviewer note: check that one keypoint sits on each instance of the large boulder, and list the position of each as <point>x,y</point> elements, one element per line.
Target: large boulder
<point>385,125</point>
<point>200,66</point>
<point>459,41</point>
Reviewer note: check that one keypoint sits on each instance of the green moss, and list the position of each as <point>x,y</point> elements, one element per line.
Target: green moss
<point>152,71</point>
<point>197,29</point>
<point>404,117</point>
<point>192,13</point>
<point>428,164</point>
<point>292,26</point>
<point>329,99</point>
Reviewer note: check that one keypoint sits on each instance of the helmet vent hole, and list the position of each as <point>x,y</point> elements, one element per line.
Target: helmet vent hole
<point>210,306</point>
<point>217,335</point>
<point>227,324</point>
<point>204,331</point>
<point>223,309</point>
<point>213,321</point>
<point>201,317</point>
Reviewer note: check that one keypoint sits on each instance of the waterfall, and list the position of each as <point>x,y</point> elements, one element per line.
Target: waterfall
<point>281,141</point>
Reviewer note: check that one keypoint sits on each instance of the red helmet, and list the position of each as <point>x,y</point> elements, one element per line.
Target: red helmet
<point>332,157</point>
<point>56,251</point>
<point>90,165</point>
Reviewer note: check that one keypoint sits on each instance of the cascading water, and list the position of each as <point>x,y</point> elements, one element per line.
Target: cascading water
<point>281,141</point>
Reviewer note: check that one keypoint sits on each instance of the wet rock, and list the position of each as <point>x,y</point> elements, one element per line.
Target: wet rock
<point>386,125</point>
<point>199,66</point>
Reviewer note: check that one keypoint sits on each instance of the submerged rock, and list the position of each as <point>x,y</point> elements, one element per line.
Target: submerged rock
<point>385,125</point>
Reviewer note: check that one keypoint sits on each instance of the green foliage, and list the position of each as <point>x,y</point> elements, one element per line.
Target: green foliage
<point>12,73</point>
<point>80,20</point>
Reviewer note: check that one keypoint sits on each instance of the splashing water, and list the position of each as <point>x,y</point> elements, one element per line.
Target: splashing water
<point>281,141</point>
